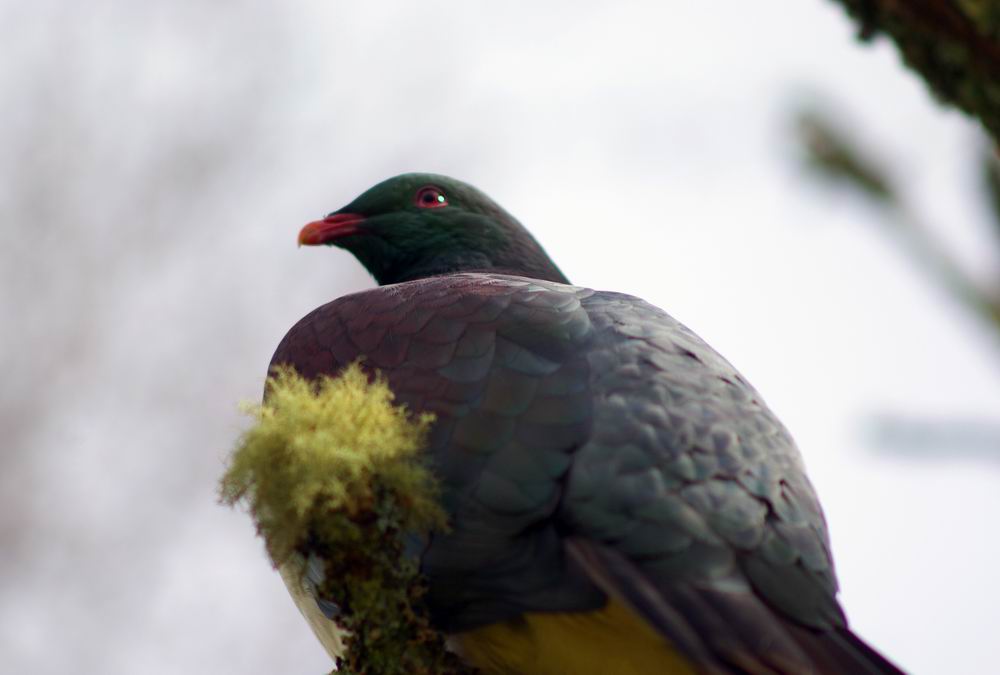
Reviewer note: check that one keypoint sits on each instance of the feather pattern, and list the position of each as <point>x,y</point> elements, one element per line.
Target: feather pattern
<point>592,447</point>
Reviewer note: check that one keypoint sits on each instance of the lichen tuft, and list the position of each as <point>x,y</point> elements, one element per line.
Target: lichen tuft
<point>332,471</point>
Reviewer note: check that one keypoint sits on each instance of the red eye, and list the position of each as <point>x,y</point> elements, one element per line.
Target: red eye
<point>430,197</point>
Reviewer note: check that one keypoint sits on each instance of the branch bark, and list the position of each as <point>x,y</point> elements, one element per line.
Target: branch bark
<point>954,45</point>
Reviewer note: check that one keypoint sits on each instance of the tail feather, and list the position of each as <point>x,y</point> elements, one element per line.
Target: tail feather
<point>729,632</point>
<point>841,651</point>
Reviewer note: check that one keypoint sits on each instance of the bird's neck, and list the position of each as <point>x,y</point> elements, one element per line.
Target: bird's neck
<point>536,266</point>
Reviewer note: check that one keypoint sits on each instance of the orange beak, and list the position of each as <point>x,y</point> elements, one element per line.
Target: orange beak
<point>334,226</point>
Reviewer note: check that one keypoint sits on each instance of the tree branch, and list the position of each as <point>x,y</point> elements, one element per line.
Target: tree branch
<point>953,44</point>
<point>832,154</point>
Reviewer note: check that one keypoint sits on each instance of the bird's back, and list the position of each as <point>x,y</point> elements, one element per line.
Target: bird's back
<point>590,448</point>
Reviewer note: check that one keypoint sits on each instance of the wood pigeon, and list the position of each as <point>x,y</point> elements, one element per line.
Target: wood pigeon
<point>621,499</point>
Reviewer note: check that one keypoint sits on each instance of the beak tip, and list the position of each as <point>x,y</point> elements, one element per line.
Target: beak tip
<point>329,229</point>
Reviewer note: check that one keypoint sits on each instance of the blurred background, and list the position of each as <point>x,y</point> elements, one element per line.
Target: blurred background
<point>158,160</point>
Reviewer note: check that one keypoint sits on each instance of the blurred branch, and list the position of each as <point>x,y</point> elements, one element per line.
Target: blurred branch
<point>954,438</point>
<point>989,168</point>
<point>833,155</point>
<point>829,153</point>
<point>954,45</point>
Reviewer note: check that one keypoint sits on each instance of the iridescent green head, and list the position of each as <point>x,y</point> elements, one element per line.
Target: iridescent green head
<point>419,225</point>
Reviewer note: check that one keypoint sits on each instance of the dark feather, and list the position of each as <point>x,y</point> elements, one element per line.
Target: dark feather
<point>590,445</point>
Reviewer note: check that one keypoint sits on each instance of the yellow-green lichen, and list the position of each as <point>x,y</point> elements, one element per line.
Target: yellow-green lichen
<point>332,470</point>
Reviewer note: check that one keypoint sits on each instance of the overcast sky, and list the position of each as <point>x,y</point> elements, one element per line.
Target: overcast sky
<point>160,158</point>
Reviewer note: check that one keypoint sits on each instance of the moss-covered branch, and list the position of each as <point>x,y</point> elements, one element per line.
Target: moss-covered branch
<point>953,44</point>
<point>332,473</point>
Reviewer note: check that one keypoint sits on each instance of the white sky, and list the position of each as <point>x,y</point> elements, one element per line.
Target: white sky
<point>646,144</point>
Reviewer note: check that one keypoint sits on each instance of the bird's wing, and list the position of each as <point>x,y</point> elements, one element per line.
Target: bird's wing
<point>691,503</point>
<point>500,362</point>
<point>588,445</point>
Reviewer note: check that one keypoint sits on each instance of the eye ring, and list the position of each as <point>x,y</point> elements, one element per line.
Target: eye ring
<point>430,197</point>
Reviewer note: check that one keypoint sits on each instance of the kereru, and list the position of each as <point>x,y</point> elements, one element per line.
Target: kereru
<point>621,500</point>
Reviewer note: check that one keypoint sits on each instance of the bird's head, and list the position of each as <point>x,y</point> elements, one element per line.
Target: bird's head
<point>419,225</point>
